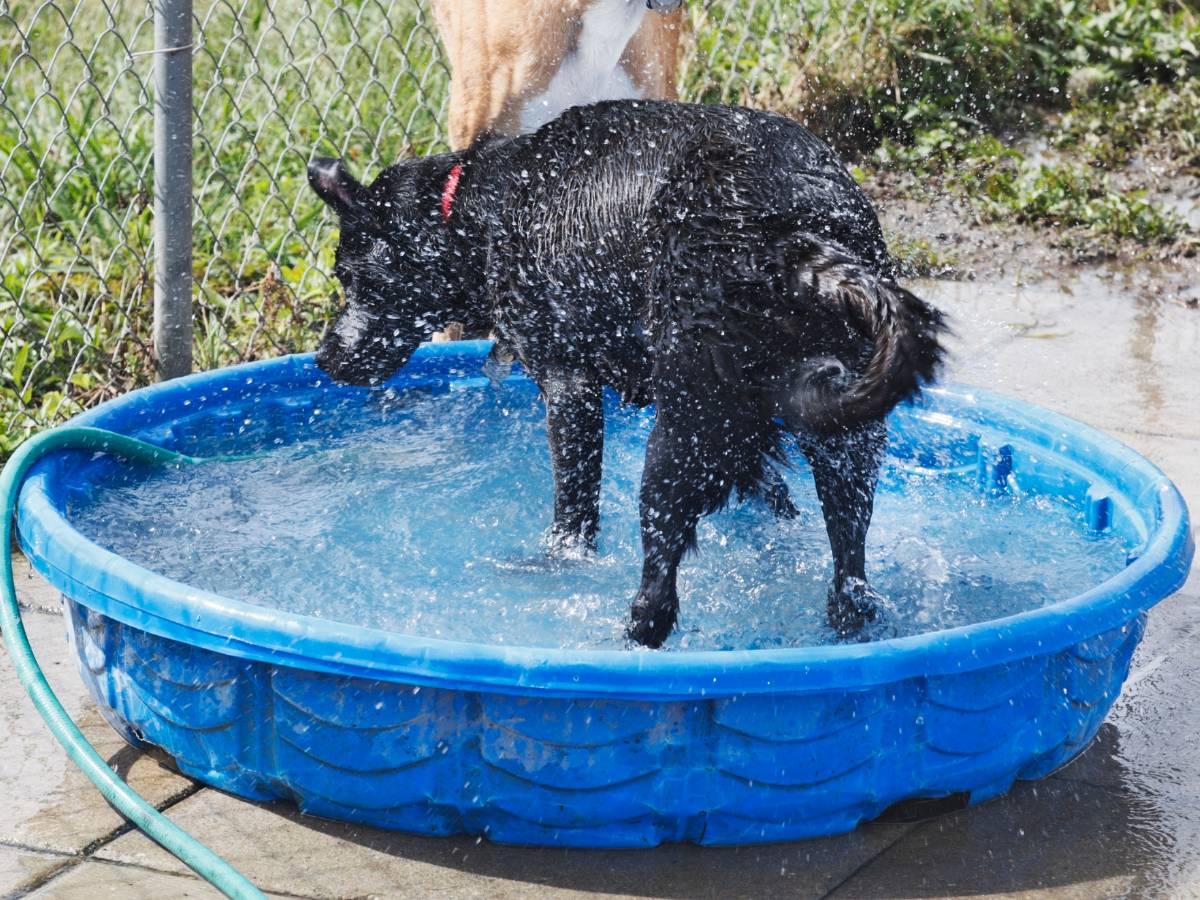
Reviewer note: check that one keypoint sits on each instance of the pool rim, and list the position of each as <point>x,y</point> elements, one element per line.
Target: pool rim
<point>122,590</point>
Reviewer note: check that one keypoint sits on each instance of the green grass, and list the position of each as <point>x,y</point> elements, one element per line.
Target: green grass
<point>949,91</point>
<point>1072,193</point>
<point>1162,120</point>
<point>935,87</point>
<point>1107,83</point>
<point>863,71</point>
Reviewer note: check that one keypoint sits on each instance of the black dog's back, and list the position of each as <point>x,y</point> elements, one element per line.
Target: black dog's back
<point>617,164</point>
<point>723,264</point>
<point>632,218</point>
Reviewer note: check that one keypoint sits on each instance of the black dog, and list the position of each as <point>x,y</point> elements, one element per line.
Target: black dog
<point>717,262</point>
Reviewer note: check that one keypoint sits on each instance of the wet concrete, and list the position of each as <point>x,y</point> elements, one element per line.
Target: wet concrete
<point>1119,350</point>
<point>1123,820</point>
<point>1116,350</point>
<point>50,815</point>
<point>283,851</point>
<point>48,804</point>
<point>92,880</point>
<point>20,868</point>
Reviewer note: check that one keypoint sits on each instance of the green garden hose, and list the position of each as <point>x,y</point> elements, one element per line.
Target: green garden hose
<point>203,861</point>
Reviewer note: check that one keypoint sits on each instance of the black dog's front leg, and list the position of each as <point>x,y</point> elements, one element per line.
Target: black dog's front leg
<point>575,426</point>
<point>845,468</point>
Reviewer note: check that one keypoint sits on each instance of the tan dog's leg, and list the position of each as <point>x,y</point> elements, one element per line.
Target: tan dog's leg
<point>501,53</point>
<point>652,57</point>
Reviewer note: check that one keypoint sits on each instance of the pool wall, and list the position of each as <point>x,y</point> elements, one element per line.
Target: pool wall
<point>596,748</point>
<point>595,772</point>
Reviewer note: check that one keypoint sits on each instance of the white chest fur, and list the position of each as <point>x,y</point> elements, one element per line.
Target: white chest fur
<point>592,70</point>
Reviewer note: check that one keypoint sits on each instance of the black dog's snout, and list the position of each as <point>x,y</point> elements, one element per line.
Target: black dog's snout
<point>664,6</point>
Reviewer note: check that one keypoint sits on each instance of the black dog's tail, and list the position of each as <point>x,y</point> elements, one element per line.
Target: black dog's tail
<point>906,332</point>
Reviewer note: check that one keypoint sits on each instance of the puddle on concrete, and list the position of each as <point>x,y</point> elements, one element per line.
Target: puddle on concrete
<point>1144,758</point>
<point>1119,350</point>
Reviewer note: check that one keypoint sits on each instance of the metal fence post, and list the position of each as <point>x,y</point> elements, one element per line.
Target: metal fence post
<point>173,187</point>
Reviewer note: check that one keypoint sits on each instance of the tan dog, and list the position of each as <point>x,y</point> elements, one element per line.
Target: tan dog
<point>517,64</point>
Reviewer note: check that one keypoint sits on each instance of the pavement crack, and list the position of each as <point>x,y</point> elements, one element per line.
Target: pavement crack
<point>71,863</point>
<point>871,859</point>
<point>90,850</point>
<point>33,848</point>
<point>40,881</point>
<point>87,854</point>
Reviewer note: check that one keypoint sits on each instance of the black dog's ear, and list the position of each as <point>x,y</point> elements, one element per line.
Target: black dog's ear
<point>334,184</point>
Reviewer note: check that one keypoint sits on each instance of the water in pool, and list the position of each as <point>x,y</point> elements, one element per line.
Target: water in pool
<point>430,520</point>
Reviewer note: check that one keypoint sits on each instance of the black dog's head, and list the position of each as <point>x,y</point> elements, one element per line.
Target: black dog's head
<point>396,262</point>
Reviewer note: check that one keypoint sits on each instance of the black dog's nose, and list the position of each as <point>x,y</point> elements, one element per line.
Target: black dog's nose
<point>664,6</point>
<point>333,182</point>
<point>324,166</point>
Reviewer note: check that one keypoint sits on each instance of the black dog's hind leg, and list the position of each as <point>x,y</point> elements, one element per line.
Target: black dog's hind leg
<point>686,477</point>
<point>672,502</point>
<point>575,426</point>
<point>846,468</point>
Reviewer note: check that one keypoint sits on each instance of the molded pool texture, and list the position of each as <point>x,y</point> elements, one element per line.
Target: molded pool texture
<point>601,748</point>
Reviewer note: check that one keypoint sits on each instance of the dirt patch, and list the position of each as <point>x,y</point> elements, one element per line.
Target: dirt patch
<point>939,234</point>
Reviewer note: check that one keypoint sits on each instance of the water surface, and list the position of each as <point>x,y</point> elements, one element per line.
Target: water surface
<point>429,518</point>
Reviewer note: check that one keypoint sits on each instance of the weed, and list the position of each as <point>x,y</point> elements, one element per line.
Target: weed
<point>1162,119</point>
<point>916,257</point>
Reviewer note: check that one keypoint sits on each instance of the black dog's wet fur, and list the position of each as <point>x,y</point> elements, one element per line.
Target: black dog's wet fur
<point>717,262</point>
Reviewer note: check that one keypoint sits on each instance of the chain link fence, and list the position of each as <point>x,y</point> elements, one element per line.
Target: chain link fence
<point>274,82</point>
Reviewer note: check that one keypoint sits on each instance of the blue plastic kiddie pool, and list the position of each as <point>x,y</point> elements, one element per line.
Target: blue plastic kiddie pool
<point>602,748</point>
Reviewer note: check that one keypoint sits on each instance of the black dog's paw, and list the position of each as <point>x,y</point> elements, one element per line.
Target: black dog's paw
<point>851,608</point>
<point>652,623</point>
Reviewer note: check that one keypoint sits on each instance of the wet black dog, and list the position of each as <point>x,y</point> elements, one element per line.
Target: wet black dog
<point>717,262</point>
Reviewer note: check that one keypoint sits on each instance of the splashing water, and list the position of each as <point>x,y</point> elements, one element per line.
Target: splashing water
<point>426,514</point>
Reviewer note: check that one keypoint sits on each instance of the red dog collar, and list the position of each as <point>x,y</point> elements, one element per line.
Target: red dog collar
<point>449,190</point>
